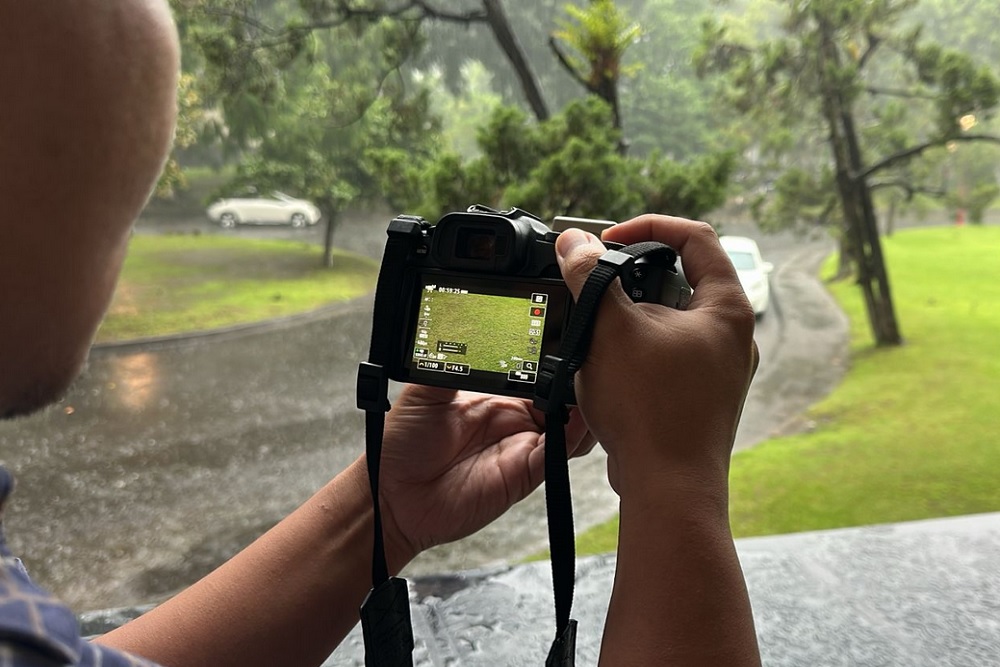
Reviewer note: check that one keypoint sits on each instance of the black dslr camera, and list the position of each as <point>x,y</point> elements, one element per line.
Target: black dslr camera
<point>478,299</point>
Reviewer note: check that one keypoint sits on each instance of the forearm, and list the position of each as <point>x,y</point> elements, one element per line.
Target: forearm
<point>288,599</point>
<point>679,595</point>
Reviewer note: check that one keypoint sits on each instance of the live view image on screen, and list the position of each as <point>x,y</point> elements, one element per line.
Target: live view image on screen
<point>460,331</point>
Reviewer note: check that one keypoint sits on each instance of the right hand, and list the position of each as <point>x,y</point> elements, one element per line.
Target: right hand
<point>454,461</point>
<point>662,390</point>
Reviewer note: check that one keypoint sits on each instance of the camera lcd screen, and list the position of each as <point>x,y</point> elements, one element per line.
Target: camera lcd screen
<point>486,335</point>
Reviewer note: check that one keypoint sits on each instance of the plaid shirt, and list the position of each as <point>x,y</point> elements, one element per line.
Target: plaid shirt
<point>36,630</point>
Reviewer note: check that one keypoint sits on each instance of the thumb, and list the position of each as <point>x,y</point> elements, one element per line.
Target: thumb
<point>577,252</point>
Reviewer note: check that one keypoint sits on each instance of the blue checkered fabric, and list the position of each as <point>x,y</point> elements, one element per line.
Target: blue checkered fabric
<point>36,630</point>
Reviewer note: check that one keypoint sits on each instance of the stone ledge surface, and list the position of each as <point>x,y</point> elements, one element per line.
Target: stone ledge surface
<point>916,594</point>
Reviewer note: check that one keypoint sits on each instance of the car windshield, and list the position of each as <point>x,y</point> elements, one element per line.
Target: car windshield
<point>743,261</point>
<point>282,196</point>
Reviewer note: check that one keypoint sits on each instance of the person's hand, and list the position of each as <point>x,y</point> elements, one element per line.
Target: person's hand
<point>662,390</point>
<point>452,462</point>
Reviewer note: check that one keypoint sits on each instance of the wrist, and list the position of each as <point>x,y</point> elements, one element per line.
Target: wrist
<point>398,550</point>
<point>672,485</point>
<point>679,592</point>
<point>675,505</point>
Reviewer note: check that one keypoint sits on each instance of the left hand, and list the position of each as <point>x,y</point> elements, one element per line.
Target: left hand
<point>454,461</point>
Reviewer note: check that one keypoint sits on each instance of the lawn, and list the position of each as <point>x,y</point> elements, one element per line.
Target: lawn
<point>177,283</point>
<point>912,432</point>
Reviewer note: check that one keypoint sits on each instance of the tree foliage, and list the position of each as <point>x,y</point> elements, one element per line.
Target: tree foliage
<point>319,98</point>
<point>597,37</point>
<point>305,110</point>
<point>568,165</point>
<point>843,65</point>
<point>190,120</point>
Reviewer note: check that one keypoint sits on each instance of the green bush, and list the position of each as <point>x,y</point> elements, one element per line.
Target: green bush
<point>568,165</point>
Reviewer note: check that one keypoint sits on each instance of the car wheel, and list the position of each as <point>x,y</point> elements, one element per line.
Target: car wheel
<point>298,220</point>
<point>227,220</point>
<point>764,307</point>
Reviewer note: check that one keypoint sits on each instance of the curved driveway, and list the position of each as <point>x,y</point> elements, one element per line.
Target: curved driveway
<point>166,458</point>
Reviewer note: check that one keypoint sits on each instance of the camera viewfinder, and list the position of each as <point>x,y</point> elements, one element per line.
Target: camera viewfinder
<point>475,243</point>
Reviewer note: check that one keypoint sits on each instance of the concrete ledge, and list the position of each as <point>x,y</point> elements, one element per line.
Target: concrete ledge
<point>912,594</point>
<point>919,594</point>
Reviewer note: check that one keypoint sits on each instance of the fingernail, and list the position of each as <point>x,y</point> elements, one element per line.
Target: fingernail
<point>571,239</point>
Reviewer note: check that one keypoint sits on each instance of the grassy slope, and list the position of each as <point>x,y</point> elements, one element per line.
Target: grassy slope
<point>912,432</point>
<point>189,282</point>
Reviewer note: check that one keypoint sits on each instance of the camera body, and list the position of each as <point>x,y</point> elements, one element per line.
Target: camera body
<point>479,301</point>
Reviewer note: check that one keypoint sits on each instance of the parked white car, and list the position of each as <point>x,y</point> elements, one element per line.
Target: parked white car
<point>274,209</point>
<point>753,271</point>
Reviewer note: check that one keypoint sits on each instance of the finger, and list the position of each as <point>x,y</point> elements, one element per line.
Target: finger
<point>706,265</point>
<point>577,252</point>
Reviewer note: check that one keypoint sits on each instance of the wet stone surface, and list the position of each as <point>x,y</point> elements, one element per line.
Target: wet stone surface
<point>922,594</point>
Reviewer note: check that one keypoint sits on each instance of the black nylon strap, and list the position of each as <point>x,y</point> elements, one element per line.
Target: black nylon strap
<point>552,389</point>
<point>559,501</point>
<point>576,341</point>
<point>614,263</point>
<point>385,613</point>
<point>373,381</point>
<point>374,427</point>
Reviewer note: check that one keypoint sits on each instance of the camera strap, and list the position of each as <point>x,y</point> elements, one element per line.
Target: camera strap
<point>553,388</point>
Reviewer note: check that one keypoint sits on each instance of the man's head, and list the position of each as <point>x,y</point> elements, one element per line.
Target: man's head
<point>89,105</point>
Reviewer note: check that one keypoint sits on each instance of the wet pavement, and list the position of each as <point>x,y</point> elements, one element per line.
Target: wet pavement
<point>167,457</point>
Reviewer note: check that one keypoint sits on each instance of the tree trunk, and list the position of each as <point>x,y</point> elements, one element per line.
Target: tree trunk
<point>855,195</point>
<point>845,259</point>
<point>890,223</point>
<point>332,218</point>
<point>883,319</point>
<point>607,90</point>
<point>507,40</point>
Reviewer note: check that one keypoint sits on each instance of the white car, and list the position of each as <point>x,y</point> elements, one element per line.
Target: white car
<point>274,209</point>
<point>753,271</point>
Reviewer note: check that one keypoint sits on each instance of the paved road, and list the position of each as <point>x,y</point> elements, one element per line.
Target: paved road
<point>167,458</point>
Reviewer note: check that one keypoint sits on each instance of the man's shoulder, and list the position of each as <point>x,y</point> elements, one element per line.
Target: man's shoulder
<point>35,628</point>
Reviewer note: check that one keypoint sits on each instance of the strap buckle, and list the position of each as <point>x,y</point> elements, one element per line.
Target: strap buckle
<point>620,261</point>
<point>552,385</point>
<point>373,387</point>
<point>562,653</point>
<point>406,225</point>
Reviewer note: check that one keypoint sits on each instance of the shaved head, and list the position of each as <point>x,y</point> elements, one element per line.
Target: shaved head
<point>86,123</point>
